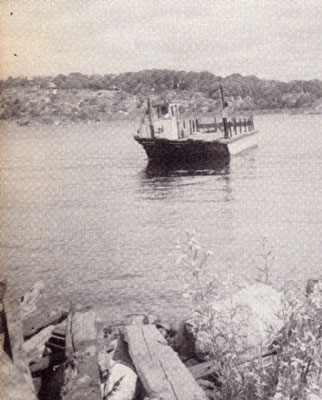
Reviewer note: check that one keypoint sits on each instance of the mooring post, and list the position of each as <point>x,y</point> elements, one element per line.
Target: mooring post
<point>150,118</point>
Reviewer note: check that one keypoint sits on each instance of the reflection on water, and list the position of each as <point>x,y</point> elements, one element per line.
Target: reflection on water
<point>159,181</point>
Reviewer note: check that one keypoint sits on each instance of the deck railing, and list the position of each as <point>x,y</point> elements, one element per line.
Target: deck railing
<point>234,126</point>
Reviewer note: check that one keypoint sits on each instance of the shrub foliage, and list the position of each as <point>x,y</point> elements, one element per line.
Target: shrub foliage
<point>291,368</point>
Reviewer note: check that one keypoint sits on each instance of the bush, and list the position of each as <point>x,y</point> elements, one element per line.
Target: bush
<point>291,368</point>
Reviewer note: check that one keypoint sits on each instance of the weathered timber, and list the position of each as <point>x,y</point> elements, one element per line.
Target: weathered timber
<point>13,324</point>
<point>35,347</point>
<point>83,328</point>
<point>203,370</point>
<point>162,373</point>
<point>40,365</point>
<point>13,384</point>
<point>82,379</point>
<point>30,328</point>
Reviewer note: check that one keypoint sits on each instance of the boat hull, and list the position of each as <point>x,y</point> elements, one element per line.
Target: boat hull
<point>170,151</point>
<point>194,150</point>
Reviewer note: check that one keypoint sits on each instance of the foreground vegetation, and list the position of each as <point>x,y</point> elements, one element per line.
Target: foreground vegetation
<point>78,97</point>
<point>290,367</point>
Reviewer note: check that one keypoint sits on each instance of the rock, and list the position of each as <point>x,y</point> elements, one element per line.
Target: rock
<point>121,382</point>
<point>249,318</point>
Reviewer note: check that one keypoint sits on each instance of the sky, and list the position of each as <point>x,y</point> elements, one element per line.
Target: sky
<point>272,39</point>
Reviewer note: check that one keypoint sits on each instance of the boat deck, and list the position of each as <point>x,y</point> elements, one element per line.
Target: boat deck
<point>210,137</point>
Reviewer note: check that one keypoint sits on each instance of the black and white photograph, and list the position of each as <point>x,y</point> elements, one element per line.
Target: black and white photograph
<point>161,199</point>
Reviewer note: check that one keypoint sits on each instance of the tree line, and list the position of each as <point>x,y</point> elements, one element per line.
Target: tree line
<point>254,92</point>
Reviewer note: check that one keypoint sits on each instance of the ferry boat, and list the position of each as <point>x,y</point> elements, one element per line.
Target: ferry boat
<point>169,139</point>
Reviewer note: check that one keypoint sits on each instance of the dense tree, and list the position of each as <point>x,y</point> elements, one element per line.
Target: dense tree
<point>256,93</point>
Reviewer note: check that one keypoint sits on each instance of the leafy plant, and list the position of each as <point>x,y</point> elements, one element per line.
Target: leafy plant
<point>291,368</point>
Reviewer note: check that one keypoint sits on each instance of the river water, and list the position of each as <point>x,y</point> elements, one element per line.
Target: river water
<point>82,212</point>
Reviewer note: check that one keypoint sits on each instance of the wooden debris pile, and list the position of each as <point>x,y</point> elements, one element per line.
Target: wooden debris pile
<point>124,362</point>
<point>71,355</point>
<point>27,352</point>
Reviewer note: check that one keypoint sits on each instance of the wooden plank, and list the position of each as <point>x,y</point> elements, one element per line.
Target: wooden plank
<point>13,384</point>
<point>83,328</point>
<point>35,346</point>
<point>181,380</point>
<point>82,375</point>
<point>13,323</point>
<point>40,365</point>
<point>200,371</point>
<point>29,328</point>
<point>162,373</point>
<point>147,366</point>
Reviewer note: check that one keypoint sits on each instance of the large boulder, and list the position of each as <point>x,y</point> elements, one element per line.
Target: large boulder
<point>245,321</point>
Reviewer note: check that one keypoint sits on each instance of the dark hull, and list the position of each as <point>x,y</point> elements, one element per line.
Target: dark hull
<point>183,151</point>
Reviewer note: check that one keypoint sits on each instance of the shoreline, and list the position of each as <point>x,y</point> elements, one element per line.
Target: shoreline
<point>62,120</point>
<point>33,106</point>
